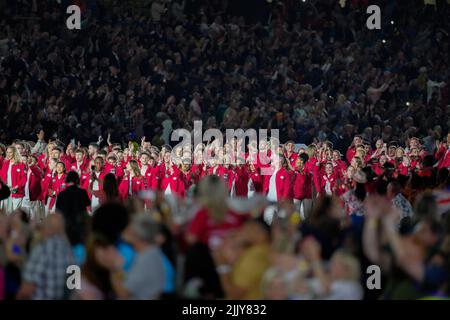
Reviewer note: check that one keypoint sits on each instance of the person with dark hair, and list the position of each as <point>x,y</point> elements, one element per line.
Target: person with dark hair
<point>324,224</point>
<point>95,277</point>
<point>72,203</point>
<point>109,191</point>
<point>394,194</point>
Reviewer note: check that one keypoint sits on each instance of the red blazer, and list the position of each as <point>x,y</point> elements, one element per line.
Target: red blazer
<point>324,179</point>
<point>34,183</point>
<point>283,183</point>
<point>175,180</point>
<point>86,180</point>
<point>401,169</point>
<point>444,161</point>
<point>137,185</point>
<point>56,184</point>
<point>292,159</point>
<point>377,168</point>
<point>302,185</point>
<point>257,180</point>
<point>18,177</point>
<point>189,179</point>
<point>350,154</point>
<point>117,171</point>
<point>240,177</point>
<point>81,169</point>
<point>151,178</point>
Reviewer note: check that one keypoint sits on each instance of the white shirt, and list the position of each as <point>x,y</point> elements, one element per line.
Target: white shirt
<point>9,176</point>
<point>272,193</point>
<point>27,189</point>
<point>144,170</point>
<point>95,202</point>
<point>251,188</point>
<point>233,189</point>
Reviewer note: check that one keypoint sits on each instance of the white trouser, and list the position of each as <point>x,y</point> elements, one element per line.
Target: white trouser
<point>303,207</point>
<point>11,204</point>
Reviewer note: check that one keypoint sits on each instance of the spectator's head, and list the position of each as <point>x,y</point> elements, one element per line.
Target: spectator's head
<point>393,189</point>
<point>212,193</point>
<point>54,225</point>
<point>425,206</point>
<point>344,266</point>
<point>275,284</point>
<point>73,178</point>
<point>143,231</point>
<point>110,220</point>
<point>110,187</point>
<point>428,232</point>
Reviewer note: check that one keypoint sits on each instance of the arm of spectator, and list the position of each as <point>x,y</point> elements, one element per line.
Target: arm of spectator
<point>403,257</point>
<point>312,252</point>
<point>371,242</point>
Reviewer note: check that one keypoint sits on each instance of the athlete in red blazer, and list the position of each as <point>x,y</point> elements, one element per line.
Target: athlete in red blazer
<point>133,181</point>
<point>283,180</point>
<point>17,172</point>
<point>55,186</point>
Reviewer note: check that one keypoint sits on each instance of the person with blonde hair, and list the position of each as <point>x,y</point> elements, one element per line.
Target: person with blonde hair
<point>13,174</point>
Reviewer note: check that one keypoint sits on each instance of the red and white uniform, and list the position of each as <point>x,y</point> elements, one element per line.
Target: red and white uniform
<point>53,187</point>
<point>115,170</point>
<point>278,185</point>
<point>131,186</point>
<point>327,183</point>
<point>172,182</point>
<point>443,156</point>
<point>302,185</point>
<point>151,177</point>
<point>81,168</point>
<point>238,182</point>
<point>255,183</point>
<point>14,175</point>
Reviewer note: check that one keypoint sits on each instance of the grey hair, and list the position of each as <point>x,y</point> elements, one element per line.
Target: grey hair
<point>145,227</point>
